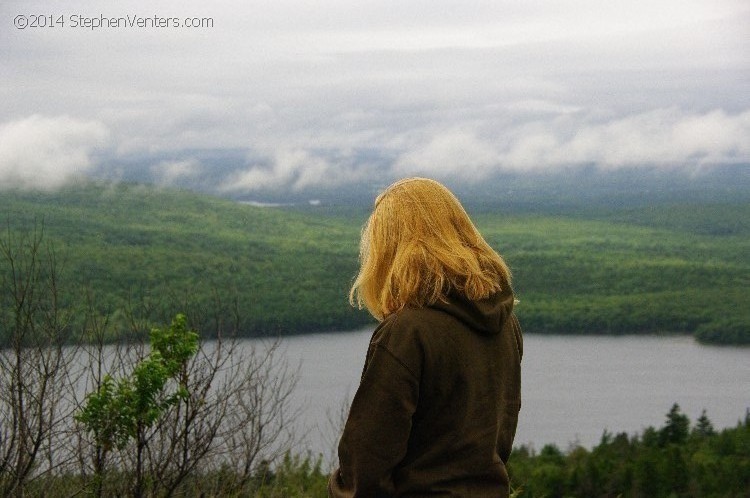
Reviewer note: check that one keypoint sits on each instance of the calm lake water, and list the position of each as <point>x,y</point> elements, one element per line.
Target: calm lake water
<point>574,387</point>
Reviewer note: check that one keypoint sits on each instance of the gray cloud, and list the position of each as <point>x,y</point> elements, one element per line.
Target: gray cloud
<point>48,152</point>
<point>339,92</point>
<point>294,168</point>
<point>173,171</point>
<point>663,137</point>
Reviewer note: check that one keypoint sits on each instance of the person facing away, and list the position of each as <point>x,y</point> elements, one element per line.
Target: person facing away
<point>436,410</point>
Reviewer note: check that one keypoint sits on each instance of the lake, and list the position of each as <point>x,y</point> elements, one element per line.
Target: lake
<point>574,387</point>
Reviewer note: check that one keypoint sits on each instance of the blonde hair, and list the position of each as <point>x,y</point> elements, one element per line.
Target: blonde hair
<point>419,245</point>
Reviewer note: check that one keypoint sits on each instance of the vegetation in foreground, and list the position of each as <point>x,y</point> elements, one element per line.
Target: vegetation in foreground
<point>80,417</point>
<point>670,268</point>
<point>674,461</point>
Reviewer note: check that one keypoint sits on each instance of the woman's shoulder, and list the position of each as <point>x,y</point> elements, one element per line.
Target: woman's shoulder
<point>413,318</point>
<point>410,324</point>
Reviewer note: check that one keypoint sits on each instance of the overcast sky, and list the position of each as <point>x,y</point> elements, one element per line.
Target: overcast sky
<point>336,92</point>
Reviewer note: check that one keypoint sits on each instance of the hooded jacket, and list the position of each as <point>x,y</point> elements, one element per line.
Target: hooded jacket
<point>436,410</point>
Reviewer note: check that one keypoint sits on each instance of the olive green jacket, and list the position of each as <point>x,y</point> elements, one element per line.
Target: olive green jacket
<point>436,410</point>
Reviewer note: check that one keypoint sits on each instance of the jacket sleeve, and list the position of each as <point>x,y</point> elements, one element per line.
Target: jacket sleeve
<point>376,433</point>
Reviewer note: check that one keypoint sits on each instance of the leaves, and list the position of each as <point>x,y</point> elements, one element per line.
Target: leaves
<point>118,410</point>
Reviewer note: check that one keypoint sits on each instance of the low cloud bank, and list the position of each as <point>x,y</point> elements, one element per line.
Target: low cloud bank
<point>663,138</point>
<point>48,152</point>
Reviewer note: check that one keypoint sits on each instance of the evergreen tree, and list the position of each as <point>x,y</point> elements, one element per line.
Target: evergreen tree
<point>703,426</point>
<point>676,429</point>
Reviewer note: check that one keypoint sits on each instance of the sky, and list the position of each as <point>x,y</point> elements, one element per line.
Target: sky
<point>281,95</point>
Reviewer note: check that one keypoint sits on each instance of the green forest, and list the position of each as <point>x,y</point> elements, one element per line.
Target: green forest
<point>673,267</point>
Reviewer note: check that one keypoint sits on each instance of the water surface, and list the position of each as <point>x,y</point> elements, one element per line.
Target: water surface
<point>574,387</point>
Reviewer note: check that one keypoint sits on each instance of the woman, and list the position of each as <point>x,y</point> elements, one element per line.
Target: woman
<point>436,409</point>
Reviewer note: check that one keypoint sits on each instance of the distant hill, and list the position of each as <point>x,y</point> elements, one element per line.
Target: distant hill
<point>283,271</point>
<point>551,191</point>
<point>678,266</point>
<point>548,189</point>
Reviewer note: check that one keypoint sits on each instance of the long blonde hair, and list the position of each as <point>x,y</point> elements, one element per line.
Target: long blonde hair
<point>417,246</point>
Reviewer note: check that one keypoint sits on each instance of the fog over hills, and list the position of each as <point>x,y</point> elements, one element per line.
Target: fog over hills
<point>546,190</point>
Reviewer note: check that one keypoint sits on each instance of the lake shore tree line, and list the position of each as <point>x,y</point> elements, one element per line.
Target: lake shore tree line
<point>679,459</point>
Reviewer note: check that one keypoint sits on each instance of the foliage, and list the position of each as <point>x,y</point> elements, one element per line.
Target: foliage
<point>676,460</point>
<point>124,410</point>
<point>119,410</point>
<point>294,477</point>
<point>673,461</point>
<point>661,268</point>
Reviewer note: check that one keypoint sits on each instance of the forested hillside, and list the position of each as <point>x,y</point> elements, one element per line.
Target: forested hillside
<point>678,267</point>
<point>136,246</point>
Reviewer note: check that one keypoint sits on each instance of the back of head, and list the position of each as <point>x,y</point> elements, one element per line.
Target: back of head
<point>418,246</point>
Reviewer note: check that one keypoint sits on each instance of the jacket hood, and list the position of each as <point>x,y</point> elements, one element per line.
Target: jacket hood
<point>485,316</point>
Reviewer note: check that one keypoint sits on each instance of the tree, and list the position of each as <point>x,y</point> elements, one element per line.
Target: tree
<point>226,410</point>
<point>127,408</point>
<point>703,426</point>
<point>35,364</point>
<point>676,429</point>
